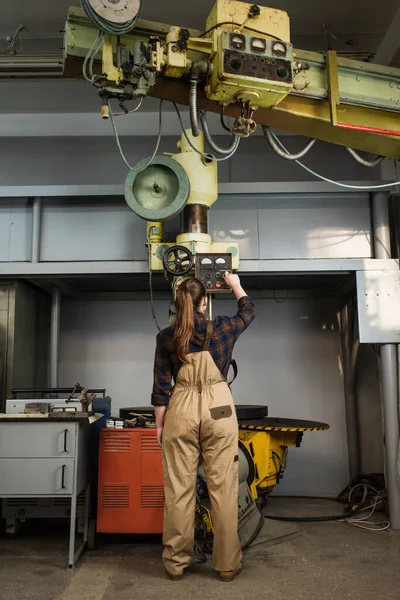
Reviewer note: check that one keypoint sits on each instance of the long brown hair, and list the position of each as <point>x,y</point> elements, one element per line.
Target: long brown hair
<point>188,299</point>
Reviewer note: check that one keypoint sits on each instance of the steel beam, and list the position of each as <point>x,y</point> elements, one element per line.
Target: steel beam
<point>55,336</point>
<point>262,266</point>
<point>388,372</point>
<point>36,226</point>
<point>370,104</point>
<point>256,190</point>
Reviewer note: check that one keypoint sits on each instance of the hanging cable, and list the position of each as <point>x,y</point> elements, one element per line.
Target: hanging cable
<point>363,161</point>
<point>221,118</point>
<point>210,141</point>
<point>13,40</point>
<point>117,139</point>
<point>343,185</point>
<point>284,153</point>
<point>93,49</point>
<point>119,143</point>
<point>107,26</point>
<point>158,137</point>
<point>206,156</point>
<point>120,114</point>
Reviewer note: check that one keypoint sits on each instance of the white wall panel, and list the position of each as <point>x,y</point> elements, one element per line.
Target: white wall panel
<point>86,229</point>
<point>317,226</point>
<point>234,220</point>
<point>15,230</point>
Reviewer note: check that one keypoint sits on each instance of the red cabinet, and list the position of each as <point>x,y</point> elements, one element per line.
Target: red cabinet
<point>131,489</point>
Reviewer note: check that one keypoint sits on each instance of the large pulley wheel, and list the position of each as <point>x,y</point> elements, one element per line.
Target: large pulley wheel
<point>115,11</point>
<point>178,260</point>
<point>157,191</point>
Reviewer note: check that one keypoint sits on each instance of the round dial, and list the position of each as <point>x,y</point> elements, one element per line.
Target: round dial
<point>238,41</point>
<point>279,48</point>
<point>258,45</point>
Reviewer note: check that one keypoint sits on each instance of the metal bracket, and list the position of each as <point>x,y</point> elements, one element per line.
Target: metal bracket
<point>333,85</point>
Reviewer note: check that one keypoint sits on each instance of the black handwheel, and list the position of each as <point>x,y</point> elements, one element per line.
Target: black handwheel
<point>91,542</point>
<point>178,260</point>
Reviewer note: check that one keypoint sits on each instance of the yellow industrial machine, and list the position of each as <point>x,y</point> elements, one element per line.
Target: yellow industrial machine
<point>242,64</point>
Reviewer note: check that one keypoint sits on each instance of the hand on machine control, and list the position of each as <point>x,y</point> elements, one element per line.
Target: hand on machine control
<point>233,281</point>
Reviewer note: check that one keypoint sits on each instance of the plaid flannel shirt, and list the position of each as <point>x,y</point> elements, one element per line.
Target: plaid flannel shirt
<point>225,333</point>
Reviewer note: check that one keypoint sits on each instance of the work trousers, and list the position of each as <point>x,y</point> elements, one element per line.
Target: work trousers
<point>200,422</point>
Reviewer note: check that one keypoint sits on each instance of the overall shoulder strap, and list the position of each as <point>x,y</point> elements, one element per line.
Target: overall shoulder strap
<point>207,339</point>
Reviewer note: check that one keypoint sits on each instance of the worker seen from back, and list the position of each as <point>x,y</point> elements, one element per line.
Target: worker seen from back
<point>196,418</point>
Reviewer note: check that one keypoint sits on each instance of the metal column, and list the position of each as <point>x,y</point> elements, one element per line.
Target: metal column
<point>388,364</point>
<point>36,222</point>
<point>55,336</point>
<point>380,216</point>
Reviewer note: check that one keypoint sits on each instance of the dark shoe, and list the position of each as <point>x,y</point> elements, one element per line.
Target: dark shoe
<point>229,576</point>
<point>174,577</point>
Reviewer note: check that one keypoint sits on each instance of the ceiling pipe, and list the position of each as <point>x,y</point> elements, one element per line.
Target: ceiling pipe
<point>31,66</point>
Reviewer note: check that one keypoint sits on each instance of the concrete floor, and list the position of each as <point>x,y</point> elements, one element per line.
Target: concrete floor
<point>321,561</point>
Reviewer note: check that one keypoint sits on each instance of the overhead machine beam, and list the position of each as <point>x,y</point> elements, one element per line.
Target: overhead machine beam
<point>361,112</point>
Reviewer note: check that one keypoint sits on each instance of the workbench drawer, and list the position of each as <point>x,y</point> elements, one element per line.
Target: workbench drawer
<point>36,476</point>
<point>37,440</point>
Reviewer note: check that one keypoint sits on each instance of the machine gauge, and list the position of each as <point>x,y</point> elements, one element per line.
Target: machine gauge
<point>279,48</point>
<point>238,41</point>
<point>221,263</point>
<point>258,45</point>
<point>206,263</point>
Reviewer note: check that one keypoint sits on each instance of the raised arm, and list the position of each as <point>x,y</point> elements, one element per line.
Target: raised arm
<point>246,307</point>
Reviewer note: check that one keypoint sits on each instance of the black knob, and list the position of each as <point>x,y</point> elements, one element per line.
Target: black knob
<point>282,73</point>
<point>254,11</point>
<point>236,64</point>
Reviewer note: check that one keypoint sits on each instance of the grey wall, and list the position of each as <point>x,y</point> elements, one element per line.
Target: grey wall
<point>75,160</point>
<point>288,359</point>
<point>267,227</point>
<point>31,337</point>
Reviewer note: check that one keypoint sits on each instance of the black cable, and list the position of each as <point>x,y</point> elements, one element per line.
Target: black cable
<point>344,515</point>
<point>262,33</point>
<point>223,121</point>
<point>153,312</point>
<point>328,498</point>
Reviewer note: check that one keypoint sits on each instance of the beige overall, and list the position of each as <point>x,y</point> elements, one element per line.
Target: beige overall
<point>200,421</point>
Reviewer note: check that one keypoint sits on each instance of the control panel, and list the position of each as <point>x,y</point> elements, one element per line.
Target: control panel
<point>209,269</point>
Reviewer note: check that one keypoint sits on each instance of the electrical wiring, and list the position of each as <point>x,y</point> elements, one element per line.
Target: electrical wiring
<point>283,153</point>
<point>344,185</point>
<point>107,26</point>
<point>206,156</point>
<point>363,161</point>
<point>120,114</point>
<point>363,522</point>
<point>13,40</point>
<point>242,26</point>
<point>119,143</point>
<point>92,50</point>
<point>348,516</point>
<point>213,145</point>
<point>158,137</point>
<point>117,139</point>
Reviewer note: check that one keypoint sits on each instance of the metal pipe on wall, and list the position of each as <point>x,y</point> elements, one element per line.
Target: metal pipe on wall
<point>388,371</point>
<point>55,336</point>
<point>36,222</point>
<point>391,421</point>
<point>380,217</point>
